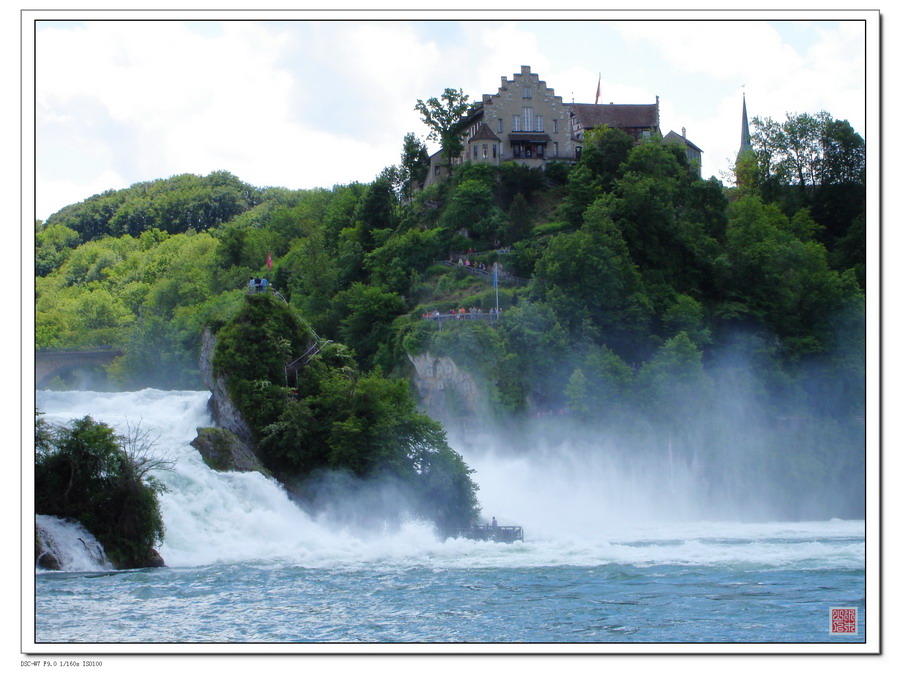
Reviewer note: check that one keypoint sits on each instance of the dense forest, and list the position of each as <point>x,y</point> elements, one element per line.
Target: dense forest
<point>636,298</point>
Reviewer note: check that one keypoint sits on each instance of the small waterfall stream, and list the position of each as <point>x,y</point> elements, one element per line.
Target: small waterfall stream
<point>65,545</point>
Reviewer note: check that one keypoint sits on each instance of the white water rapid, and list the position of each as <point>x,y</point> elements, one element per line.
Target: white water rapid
<point>571,516</point>
<point>72,546</point>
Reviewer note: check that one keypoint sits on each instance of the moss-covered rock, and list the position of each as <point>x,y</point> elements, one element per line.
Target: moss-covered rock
<point>224,451</point>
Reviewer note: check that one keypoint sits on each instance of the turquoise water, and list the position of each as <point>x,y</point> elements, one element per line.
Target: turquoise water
<point>246,566</point>
<point>416,603</point>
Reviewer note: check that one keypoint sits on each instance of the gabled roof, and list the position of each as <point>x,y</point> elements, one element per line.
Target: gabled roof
<point>677,137</point>
<point>616,116</point>
<point>484,133</point>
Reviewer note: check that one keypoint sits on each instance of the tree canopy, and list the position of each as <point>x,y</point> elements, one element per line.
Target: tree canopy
<point>444,118</point>
<point>624,282</point>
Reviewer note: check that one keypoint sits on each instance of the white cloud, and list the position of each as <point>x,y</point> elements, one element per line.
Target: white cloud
<point>61,193</point>
<point>305,104</point>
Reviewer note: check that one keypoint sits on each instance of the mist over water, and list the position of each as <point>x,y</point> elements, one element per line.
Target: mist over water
<point>620,545</point>
<point>581,501</point>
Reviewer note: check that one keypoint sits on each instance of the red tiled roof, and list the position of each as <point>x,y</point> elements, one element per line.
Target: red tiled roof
<point>616,116</point>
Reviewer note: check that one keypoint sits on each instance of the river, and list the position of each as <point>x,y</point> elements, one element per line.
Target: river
<point>246,566</point>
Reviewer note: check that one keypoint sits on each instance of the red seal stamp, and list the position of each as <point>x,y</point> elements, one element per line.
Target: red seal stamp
<point>843,620</point>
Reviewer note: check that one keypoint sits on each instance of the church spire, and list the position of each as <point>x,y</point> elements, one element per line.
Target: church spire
<point>745,131</point>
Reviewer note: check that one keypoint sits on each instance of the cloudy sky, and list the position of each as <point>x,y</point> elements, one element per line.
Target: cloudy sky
<point>301,103</point>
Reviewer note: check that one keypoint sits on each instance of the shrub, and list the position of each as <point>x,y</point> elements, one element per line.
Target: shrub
<point>88,473</point>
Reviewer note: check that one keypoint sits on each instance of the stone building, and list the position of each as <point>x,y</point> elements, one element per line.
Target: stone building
<point>692,152</point>
<point>526,122</point>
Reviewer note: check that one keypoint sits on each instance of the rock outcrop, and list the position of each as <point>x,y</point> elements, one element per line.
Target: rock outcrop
<point>229,447</point>
<point>222,409</point>
<point>445,390</point>
<point>223,450</point>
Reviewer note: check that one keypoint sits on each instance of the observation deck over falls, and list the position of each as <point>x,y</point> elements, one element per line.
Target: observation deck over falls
<point>487,532</point>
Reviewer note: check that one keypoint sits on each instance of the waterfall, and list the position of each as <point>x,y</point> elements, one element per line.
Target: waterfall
<point>67,545</point>
<point>218,517</point>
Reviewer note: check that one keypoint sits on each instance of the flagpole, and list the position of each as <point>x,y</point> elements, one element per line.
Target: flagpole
<point>597,97</point>
<point>496,293</point>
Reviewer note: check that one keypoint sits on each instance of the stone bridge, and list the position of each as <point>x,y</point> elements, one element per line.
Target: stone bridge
<point>48,364</point>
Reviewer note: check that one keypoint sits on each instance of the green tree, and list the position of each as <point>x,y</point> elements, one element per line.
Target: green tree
<point>86,472</point>
<point>685,315</point>
<point>581,191</point>
<point>53,245</point>
<point>471,209</point>
<point>534,341</point>
<point>770,275</point>
<point>377,213</point>
<point>336,418</point>
<point>519,221</point>
<point>599,389</point>
<point>605,150</point>
<point>444,119</point>
<point>589,276</point>
<point>364,315</point>
<point>673,384</point>
<point>414,165</point>
<point>809,150</point>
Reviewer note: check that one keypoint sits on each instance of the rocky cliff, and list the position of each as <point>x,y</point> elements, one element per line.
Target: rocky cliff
<point>446,391</point>
<point>221,408</point>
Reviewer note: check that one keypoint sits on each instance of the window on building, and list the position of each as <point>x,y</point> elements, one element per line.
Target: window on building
<point>555,149</point>
<point>540,150</point>
<point>526,92</point>
<point>499,126</point>
<point>578,152</point>
<point>484,151</point>
<point>539,123</point>
<point>555,126</point>
<point>494,147</point>
<point>517,123</point>
<point>528,114</point>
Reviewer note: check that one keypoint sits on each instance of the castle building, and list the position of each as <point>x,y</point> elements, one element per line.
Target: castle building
<point>526,122</point>
<point>692,152</point>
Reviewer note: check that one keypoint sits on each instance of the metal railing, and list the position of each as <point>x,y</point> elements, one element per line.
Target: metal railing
<point>491,316</point>
<point>499,534</point>
<point>488,274</point>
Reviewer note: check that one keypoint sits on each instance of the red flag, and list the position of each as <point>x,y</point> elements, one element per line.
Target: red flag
<point>268,261</point>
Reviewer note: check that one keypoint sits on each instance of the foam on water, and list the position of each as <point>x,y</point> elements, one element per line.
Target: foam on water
<point>71,544</point>
<point>212,517</point>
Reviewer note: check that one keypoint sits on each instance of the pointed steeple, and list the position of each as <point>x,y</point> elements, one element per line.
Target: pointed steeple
<point>745,131</point>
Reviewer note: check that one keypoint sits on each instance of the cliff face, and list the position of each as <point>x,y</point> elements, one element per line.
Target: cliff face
<point>446,391</point>
<point>222,409</point>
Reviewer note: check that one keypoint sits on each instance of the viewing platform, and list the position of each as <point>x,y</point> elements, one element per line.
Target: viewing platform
<point>486,273</point>
<point>499,534</point>
<point>491,316</point>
